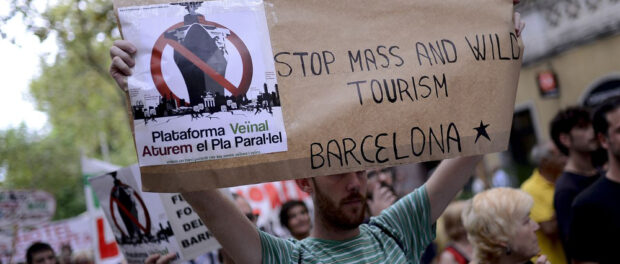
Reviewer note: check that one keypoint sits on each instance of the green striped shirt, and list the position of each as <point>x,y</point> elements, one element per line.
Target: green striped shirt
<point>408,221</point>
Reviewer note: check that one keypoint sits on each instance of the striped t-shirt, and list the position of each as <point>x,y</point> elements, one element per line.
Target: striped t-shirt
<point>407,222</point>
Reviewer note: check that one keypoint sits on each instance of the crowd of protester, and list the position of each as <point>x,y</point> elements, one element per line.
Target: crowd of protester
<point>43,253</point>
<point>565,212</point>
<point>558,215</point>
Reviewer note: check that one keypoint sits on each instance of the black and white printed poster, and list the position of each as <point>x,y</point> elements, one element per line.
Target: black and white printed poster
<point>204,84</point>
<point>147,223</point>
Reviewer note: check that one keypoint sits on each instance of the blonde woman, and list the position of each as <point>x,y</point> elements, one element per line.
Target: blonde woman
<point>500,229</point>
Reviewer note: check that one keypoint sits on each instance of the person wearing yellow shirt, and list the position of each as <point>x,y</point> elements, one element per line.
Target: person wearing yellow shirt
<point>540,186</point>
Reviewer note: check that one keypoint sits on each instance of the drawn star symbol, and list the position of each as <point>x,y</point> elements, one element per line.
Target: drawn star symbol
<point>482,131</point>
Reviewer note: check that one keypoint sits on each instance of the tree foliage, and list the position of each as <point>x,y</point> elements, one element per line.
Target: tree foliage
<point>85,110</point>
<point>33,161</point>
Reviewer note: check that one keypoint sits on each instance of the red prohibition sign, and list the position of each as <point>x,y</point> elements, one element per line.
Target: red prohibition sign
<point>161,43</point>
<point>146,229</point>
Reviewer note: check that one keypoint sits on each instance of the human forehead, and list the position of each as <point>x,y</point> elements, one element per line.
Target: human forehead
<point>297,209</point>
<point>613,118</point>
<point>41,255</point>
<point>342,175</point>
<point>582,124</point>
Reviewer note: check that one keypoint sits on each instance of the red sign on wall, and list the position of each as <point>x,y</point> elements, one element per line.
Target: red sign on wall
<point>548,84</point>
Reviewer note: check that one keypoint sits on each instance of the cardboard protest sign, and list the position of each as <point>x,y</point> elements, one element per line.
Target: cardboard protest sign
<point>147,223</point>
<point>360,84</point>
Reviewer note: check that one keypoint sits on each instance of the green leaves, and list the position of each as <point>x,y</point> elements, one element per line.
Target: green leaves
<point>86,110</point>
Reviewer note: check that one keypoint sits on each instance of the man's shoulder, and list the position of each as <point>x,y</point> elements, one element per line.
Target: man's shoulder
<point>566,180</point>
<point>571,182</point>
<point>564,188</point>
<point>599,193</point>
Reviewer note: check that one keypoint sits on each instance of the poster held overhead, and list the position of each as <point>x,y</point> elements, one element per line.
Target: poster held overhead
<point>342,86</point>
<point>105,248</point>
<point>209,90</point>
<point>148,223</point>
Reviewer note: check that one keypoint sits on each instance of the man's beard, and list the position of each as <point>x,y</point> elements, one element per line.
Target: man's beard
<point>334,213</point>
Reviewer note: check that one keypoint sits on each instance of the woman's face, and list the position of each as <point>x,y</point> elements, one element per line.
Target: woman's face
<point>299,220</point>
<point>525,243</point>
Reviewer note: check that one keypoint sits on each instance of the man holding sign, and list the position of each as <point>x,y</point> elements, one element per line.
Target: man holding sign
<point>398,235</point>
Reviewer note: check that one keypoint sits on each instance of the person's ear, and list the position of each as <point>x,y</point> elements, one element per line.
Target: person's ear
<point>565,139</point>
<point>603,140</point>
<point>304,185</point>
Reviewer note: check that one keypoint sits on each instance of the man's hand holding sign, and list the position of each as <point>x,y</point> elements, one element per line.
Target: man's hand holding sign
<point>369,81</point>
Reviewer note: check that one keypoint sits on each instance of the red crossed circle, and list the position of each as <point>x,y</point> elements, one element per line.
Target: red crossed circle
<point>162,42</point>
<point>146,229</point>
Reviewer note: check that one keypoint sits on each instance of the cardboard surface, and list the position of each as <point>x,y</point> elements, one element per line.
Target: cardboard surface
<point>434,95</point>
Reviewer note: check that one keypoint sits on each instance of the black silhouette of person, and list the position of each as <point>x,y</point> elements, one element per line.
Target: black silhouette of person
<point>123,194</point>
<point>198,40</point>
<point>259,103</point>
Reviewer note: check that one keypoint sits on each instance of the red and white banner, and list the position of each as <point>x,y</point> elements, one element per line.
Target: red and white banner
<point>266,200</point>
<point>74,231</point>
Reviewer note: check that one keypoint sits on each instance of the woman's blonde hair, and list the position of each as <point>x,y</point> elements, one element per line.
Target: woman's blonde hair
<point>491,218</point>
<point>452,222</point>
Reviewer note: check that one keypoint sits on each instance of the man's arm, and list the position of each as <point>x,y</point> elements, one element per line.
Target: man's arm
<point>231,228</point>
<point>448,179</point>
<point>229,225</point>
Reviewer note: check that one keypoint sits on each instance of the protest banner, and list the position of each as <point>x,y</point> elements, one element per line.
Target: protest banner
<point>74,232</point>
<point>148,223</point>
<point>25,207</point>
<point>266,199</point>
<point>22,209</point>
<point>361,84</point>
<point>106,251</point>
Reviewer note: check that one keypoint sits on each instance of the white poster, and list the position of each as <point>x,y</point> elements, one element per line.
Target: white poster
<point>204,84</point>
<point>143,226</point>
<point>25,207</point>
<point>106,249</point>
<point>190,231</point>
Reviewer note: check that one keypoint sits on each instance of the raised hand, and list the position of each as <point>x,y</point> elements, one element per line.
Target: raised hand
<point>122,53</point>
<point>159,259</point>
